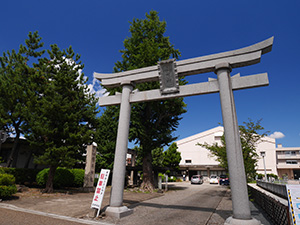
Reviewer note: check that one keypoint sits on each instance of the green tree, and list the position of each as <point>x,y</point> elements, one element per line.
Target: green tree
<point>250,134</point>
<point>172,157</point>
<point>62,123</point>
<point>157,157</point>
<point>152,123</point>
<point>18,80</point>
<point>105,137</point>
<point>161,159</point>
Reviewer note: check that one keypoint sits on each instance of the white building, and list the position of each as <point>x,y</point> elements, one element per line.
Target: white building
<point>288,162</point>
<point>197,160</point>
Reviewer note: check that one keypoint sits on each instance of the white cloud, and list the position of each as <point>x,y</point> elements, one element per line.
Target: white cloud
<point>277,135</point>
<point>96,88</point>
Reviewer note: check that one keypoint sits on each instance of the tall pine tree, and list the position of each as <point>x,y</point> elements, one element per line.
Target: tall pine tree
<point>63,121</point>
<point>18,85</point>
<point>152,123</point>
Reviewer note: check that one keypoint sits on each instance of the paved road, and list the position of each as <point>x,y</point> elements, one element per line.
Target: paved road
<point>185,204</point>
<point>194,205</point>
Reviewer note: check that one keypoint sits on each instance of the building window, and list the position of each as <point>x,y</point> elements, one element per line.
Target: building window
<point>291,162</point>
<point>217,138</point>
<point>290,153</point>
<point>188,161</point>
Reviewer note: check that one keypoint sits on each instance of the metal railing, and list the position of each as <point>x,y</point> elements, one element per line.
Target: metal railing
<point>277,212</point>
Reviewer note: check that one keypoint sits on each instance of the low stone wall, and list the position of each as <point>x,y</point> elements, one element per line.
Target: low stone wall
<point>275,207</point>
<point>277,189</point>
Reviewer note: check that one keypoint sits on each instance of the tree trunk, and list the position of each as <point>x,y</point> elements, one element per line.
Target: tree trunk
<point>14,150</point>
<point>49,184</point>
<point>148,179</point>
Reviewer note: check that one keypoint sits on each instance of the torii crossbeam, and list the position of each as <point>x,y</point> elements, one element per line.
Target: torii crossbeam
<point>167,72</point>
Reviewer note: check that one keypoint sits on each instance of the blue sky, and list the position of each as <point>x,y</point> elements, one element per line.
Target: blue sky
<point>96,30</point>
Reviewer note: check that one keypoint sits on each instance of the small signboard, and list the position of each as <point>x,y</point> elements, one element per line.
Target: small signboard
<point>100,189</point>
<point>168,76</point>
<point>293,192</point>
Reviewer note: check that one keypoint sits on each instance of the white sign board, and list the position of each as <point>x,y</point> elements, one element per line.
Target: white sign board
<point>293,192</point>
<point>100,189</point>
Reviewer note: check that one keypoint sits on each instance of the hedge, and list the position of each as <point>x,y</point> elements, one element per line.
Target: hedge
<point>23,175</point>
<point>7,185</point>
<point>78,177</point>
<point>63,177</point>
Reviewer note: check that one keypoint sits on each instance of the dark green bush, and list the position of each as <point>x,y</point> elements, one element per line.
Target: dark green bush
<point>272,175</point>
<point>7,185</point>
<point>23,175</point>
<point>7,191</point>
<point>78,177</point>
<point>7,179</point>
<point>42,176</point>
<point>261,176</point>
<point>62,178</point>
<point>170,178</point>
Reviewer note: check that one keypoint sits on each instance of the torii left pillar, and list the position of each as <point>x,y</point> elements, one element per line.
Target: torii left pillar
<point>116,208</point>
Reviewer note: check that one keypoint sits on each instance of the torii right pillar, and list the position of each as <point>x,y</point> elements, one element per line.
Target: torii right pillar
<point>238,184</point>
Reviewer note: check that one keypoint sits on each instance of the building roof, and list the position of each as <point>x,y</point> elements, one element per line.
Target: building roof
<point>217,131</point>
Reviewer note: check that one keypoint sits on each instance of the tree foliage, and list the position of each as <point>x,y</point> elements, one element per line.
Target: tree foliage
<point>62,122</point>
<point>47,100</point>
<point>152,123</point>
<point>163,160</point>
<point>17,88</point>
<point>250,134</point>
<point>105,138</point>
<point>172,157</point>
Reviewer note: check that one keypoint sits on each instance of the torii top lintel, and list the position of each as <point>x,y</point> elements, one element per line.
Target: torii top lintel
<point>236,58</point>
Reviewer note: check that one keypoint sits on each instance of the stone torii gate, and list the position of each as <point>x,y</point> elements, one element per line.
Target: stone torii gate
<point>167,72</point>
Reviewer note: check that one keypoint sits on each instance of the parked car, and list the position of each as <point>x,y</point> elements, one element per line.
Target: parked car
<point>224,180</point>
<point>213,179</point>
<point>197,179</point>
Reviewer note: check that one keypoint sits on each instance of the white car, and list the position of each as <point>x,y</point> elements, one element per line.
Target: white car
<point>213,179</point>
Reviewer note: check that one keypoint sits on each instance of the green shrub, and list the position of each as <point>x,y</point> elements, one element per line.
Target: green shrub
<point>7,185</point>
<point>7,179</point>
<point>62,178</point>
<point>78,177</point>
<point>170,178</point>
<point>261,176</point>
<point>42,176</point>
<point>272,175</point>
<point>7,191</point>
<point>23,175</point>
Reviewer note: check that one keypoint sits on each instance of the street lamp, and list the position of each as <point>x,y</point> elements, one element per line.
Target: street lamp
<point>263,154</point>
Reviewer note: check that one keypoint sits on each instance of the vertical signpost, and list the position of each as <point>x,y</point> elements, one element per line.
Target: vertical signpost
<point>167,73</point>
<point>100,190</point>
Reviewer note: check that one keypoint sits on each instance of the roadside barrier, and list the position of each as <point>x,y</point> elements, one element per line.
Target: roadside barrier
<point>275,207</point>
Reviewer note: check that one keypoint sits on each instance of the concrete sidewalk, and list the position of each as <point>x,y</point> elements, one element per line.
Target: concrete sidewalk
<point>224,210</point>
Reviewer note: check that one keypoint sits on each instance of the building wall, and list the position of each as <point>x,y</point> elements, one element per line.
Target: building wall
<point>288,162</point>
<point>268,146</point>
<point>199,155</point>
<point>202,161</point>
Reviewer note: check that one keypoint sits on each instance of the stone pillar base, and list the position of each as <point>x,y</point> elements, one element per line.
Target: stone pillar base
<point>233,221</point>
<point>118,212</point>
